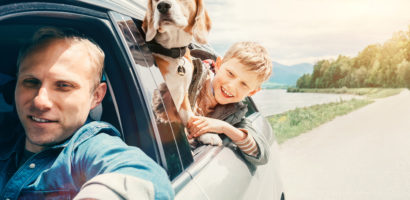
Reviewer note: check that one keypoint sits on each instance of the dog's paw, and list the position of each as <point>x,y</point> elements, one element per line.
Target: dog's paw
<point>211,139</point>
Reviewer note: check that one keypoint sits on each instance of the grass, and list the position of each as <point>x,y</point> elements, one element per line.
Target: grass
<point>295,122</point>
<point>371,93</point>
<point>300,120</point>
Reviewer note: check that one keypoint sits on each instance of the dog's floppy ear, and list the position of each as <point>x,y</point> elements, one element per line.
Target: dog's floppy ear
<point>202,24</point>
<point>148,23</point>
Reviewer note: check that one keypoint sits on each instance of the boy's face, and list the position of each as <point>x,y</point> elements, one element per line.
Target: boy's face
<point>233,82</point>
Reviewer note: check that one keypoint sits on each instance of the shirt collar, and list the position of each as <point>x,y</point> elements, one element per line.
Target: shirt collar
<point>14,144</point>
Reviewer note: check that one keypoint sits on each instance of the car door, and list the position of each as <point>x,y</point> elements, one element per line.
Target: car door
<point>223,174</point>
<point>169,133</point>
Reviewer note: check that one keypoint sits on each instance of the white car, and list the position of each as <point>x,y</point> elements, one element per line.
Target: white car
<point>207,172</point>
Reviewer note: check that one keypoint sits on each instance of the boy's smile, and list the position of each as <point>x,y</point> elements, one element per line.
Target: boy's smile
<point>233,82</point>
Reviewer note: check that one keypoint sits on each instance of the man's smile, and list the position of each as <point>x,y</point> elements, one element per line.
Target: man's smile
<point>40,120</point>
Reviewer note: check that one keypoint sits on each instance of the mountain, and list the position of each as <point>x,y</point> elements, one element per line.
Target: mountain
<point>287,75</point>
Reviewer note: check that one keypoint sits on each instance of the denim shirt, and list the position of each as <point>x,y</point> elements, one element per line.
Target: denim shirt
<point>59,172</point>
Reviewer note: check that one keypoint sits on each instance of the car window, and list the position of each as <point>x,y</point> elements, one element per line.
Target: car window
<point>251,106</point>
<point>16,31</point>
<point>171,132</point>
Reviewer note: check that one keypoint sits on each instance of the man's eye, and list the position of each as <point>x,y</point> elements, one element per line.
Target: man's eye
<point>64,85</point>
<point>31,82</point>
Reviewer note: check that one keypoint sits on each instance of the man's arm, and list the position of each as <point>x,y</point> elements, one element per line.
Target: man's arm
<point>106,163</point>
<point>114,186</point>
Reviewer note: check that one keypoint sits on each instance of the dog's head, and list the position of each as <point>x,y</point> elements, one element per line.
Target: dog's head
<point>169,15</point>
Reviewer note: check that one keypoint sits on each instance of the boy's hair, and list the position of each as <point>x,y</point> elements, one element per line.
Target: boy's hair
<point>46,34</point>
<point>254,56</point>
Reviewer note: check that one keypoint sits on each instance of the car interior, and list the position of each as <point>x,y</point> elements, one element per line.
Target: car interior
<point>12,38</point>
<point>17,31</point>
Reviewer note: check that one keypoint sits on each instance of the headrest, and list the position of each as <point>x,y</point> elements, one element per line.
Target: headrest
<point>96,113</point>
<point>8,91</point>
<point>202,52</point>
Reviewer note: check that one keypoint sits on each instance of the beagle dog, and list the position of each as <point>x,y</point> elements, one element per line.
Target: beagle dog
<point>170,26</point>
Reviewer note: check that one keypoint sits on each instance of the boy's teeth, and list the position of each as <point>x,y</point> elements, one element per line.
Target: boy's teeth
<point>226,92</point>
<point>39,120</point>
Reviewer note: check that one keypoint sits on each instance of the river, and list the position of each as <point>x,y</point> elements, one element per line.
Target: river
<point>275,101</point>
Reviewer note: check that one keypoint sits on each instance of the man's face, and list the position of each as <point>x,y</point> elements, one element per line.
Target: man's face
<point>54,92</point>
<point>233,82</point>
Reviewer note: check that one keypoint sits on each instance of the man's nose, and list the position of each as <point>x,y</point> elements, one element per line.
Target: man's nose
<point>163,7</point>
<point>42,101</point>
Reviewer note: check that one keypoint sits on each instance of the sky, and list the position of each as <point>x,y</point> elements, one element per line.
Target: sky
<point>305,31</point>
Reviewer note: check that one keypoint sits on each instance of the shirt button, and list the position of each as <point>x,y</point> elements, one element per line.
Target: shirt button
<point>32,165</point>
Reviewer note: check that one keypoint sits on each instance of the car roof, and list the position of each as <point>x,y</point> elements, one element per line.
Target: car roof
<point>132,8</point>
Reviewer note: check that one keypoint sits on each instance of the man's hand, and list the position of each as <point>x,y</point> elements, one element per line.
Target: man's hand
<point>198,125</point>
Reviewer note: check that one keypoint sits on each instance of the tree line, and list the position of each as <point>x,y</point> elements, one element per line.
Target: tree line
<point>386,65</point>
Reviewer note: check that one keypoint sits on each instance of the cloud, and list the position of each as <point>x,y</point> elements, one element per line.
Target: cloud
<point>297,31</point>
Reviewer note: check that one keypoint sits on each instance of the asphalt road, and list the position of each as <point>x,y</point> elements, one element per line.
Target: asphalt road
<point>364,155</point>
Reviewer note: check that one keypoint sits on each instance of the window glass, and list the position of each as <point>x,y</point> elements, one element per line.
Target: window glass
<point>171,133</point>
<point>6,90</point>
<point>251,106</point>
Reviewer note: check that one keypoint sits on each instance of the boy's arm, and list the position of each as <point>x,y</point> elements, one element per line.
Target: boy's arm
<point>260,140</point>
<point>242,139</point>
<point>242,134</point>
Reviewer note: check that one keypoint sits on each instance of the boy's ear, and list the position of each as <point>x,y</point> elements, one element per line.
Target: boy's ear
<point>254,91</point>
<point>218,63</point>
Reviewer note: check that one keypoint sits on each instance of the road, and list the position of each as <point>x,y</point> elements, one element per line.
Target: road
<point>364,155</point>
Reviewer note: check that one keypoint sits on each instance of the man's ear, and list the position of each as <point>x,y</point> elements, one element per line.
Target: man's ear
<point>99,94</point>
<point>254,91</point>
<point>148,23</point>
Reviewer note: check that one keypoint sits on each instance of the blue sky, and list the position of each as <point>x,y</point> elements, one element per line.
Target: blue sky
<point>298,31</point>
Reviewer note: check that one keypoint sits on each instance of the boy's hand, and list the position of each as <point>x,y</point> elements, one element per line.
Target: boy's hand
<point>198,125</point>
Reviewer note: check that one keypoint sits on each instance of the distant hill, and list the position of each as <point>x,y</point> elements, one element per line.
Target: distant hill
<point>284,75</point>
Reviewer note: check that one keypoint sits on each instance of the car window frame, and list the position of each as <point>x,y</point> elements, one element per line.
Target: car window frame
<point>144,68</point>
<point>53,14</point>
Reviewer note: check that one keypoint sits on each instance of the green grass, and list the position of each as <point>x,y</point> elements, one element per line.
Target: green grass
<point>300,120</point>
<point>295,122</point>
<point>368,92</point>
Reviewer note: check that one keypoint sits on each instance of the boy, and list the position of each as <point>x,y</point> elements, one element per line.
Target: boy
<point>245,66</point>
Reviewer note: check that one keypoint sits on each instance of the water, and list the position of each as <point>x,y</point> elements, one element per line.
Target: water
<point>271,102</point>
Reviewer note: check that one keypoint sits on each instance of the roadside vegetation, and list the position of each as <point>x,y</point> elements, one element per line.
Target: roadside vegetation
<point>295,122</point>
<point>378,65</point>
<point>300,120</point>
<point>371,93</point>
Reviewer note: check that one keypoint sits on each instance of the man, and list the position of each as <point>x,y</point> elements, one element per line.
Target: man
<point>60,154</point>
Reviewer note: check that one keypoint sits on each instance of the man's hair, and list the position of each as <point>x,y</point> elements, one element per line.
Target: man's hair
<point>47,34</point>
<point>254,56</point>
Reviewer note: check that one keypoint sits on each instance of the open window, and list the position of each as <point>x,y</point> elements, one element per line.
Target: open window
<point>121,106</point>
<point>169,130</point>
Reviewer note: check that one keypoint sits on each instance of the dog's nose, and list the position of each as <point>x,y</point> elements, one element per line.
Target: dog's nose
<point>163,7</point>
